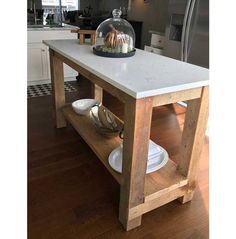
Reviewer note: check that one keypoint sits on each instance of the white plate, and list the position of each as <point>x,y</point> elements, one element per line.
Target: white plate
<point>83,106</point>
<point>153,149</point>
<point>115,160</point>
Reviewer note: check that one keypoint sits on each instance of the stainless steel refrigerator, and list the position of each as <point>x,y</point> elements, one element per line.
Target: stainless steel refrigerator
<point>187,31</point>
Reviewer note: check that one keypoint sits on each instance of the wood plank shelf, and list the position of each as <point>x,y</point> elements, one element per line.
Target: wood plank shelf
<point>100,144</point>
<point>157,184</point>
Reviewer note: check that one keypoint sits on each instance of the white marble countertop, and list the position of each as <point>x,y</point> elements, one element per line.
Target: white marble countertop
<point>145,74</point>
<point>48,28</point>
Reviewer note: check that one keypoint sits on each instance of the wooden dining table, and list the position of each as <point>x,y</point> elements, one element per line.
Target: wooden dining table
<point>141,82</point>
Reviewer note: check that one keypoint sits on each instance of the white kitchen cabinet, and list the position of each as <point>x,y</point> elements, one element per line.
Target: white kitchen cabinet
<point>157,39</point>
<point>37,62</point>
<point>38,68</point>
<point>157,43</point>
<point>153,50</point>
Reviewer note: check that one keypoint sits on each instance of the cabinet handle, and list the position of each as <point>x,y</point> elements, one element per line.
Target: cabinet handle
<point>42,50</point>
<point>152,50</point>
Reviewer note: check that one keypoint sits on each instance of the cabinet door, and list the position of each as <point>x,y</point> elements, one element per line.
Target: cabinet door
<point>157,41</point>
<point>69,72</point>
<point>153,50</point>
<point>37,59</point>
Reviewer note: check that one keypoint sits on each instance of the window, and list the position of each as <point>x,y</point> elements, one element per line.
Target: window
<point>57,7</point>
<point>66,4</point>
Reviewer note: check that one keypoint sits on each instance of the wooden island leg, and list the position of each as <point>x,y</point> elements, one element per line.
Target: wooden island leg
<point>137,124</point>
<point>97,92</point>
<point>58,91</point>
<point>193,140</point>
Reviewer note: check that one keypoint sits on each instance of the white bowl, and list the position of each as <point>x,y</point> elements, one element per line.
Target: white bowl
<point>83,106</point>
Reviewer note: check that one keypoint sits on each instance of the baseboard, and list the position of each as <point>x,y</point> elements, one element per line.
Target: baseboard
<point>39,82</point>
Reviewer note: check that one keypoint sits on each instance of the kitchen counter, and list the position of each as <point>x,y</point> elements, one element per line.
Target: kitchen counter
<point>48,28</point>
<point>145,74</point>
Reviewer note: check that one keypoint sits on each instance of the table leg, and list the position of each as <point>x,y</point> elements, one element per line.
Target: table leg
<point>58,91</point>
<point>137,124</point>
<point>97,92</point>
<point>193,140</point>
<point>93,39</point>
<point>81,38</point>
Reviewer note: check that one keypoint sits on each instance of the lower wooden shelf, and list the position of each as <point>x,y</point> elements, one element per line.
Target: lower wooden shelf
<point>101,145</point>
<point>157,183</point>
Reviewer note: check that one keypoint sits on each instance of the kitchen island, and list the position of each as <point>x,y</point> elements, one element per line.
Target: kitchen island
<point>141,82</point>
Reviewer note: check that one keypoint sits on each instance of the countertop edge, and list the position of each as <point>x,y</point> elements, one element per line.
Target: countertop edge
<point>46,28</point>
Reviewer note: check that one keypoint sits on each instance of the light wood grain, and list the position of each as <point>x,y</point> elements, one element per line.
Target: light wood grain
<point>156,183</point>
<point>97,92</point>
<point>101,145</point>
<point>157,202</point>
<point>163,181</point>
<point>174,97</point>
<point>71,194</point>
<point>122,96</point>
<point>193,139</point>
<point>140,193</point>
<point>138,114</point>
<point>82,34</point>
<point>81,39</point>
<point>93,39</point>
<point>58,91</point>
<point>75,30</point>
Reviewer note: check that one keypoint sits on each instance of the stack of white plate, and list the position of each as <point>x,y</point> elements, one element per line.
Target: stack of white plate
<point>157,157</point>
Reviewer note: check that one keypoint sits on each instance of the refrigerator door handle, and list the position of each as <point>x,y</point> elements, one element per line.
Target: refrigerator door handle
<point>186,40</point>
<point>184,29</point>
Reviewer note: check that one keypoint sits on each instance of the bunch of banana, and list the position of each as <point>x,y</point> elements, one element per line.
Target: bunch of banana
<point>111,39</point>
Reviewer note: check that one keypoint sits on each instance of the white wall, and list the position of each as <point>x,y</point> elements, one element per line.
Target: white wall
<point>107,5</point>
<point>152,14</point>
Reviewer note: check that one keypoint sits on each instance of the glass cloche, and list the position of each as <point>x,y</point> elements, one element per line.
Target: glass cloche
<point>115,37</point>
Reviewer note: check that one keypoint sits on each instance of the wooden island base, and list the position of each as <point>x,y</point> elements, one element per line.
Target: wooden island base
<point>160,187</point>
<point>139,193</point>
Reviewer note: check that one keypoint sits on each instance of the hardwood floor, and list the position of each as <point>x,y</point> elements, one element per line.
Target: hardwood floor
<point>71,195</point>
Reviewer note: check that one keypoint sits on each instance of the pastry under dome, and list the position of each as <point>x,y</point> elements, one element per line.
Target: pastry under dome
<point>115,37</point>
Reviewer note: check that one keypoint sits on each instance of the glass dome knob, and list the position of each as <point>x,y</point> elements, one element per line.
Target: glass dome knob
<point>116,13</point>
